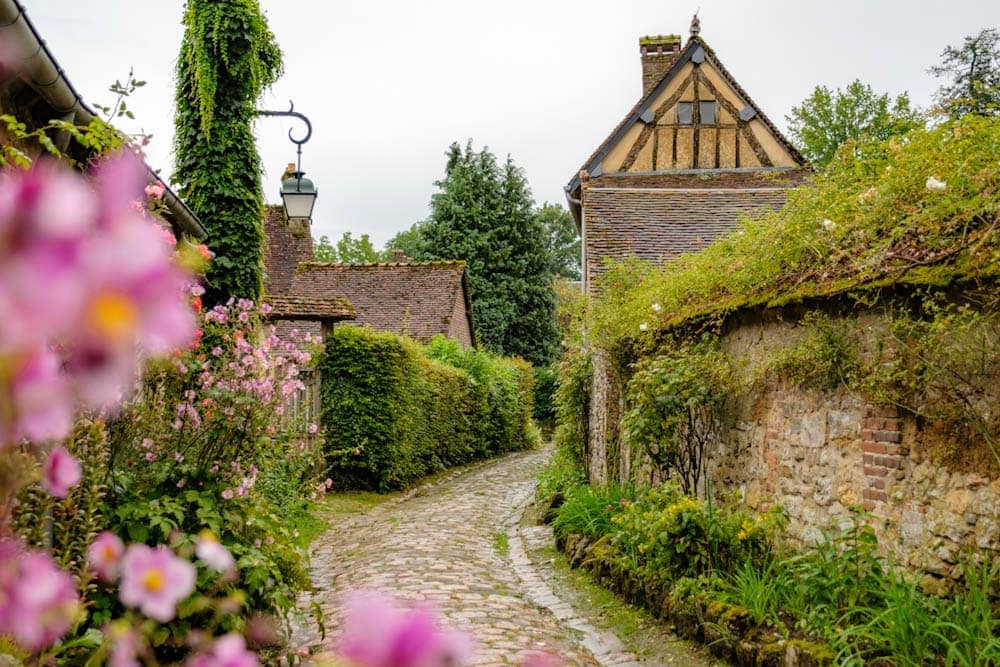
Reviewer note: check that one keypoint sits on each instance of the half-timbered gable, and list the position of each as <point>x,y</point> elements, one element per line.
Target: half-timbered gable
<point>689,159</point>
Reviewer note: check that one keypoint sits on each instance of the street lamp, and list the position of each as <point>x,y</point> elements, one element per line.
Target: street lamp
<point>298,194</point>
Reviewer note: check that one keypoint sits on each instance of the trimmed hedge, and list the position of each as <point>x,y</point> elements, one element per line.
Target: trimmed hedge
<point>394,411</point>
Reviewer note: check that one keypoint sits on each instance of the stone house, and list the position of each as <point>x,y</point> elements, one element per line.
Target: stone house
<point>35,90</point>
<point>691,157</point>
<point>416,299</point>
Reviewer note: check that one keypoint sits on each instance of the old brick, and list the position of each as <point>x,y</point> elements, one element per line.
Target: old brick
<point>889,462</point>
<point>872,424</point>
<point>878,483</point>
<point>875,494</point>
<point>873,471</point>
<point>873,448</point>
<point>888,436</point>
<point>868,436</point>
<point>868,459</point>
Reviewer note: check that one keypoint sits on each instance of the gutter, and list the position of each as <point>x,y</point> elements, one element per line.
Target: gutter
<point>41,71</point>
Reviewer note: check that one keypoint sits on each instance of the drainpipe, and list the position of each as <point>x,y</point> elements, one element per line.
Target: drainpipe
<point>41,71</point>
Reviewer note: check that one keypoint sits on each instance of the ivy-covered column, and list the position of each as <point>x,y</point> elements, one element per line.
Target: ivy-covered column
<point>228,57</point>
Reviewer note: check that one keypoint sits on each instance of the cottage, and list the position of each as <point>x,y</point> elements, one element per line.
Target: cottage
<point>691,157</point>
<point>416,299</point>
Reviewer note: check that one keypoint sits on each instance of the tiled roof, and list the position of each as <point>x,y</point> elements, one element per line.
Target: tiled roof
<point>283,251</point>
<point>310,308</point>
<point>658,223</point>
<point>415,299</point>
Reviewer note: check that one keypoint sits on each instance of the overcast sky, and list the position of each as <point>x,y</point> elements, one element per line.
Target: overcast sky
<point>389,85</point>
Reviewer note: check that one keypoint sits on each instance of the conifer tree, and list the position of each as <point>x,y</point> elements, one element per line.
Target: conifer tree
<point>484,215</point>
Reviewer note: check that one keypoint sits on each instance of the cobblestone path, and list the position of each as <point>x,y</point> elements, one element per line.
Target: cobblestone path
<point>457,545</point>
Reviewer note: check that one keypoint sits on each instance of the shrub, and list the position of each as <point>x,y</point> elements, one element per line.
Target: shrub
<point>394,411</point>
<point>589,511</point>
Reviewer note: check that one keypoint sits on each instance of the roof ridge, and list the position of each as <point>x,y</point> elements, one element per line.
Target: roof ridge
<point>352,265</point>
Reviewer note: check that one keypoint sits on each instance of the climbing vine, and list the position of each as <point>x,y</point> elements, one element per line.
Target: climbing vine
<point>228,57</point>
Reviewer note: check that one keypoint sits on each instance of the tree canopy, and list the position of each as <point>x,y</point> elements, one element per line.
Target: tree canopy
<point>561,240</point>
<point>348,250</point>
<point>827,119</point>
<point>973,73</point>
<point>483,214</point>
<point>228,57</point>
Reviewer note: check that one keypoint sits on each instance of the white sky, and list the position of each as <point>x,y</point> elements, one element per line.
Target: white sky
<point>389,85</point>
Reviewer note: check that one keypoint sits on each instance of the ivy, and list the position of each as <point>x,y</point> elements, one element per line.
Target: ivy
<point>228,57</point>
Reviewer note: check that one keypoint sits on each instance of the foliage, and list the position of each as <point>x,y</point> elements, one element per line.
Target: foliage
<point>545,386</point>
<point>675,407</point>
<point>828,119</point>
<point>572,403</point>
<point>589,510</point>
<point>824,358</point>
<point>562,241</point>
<point>394,412</point>
<point>667,535</point>
<point>863,225</point>
<point>206,445</point>
<point>20,141</point>
<point>410,241</point>
<point>348,250</point>
<point>228,57</point>
<point>562,473</point>
<point>483,215</point>
<point>942,366</point>
<point>972,72</point>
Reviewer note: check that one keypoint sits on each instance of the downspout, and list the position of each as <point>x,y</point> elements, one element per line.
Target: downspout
<point>41,71</point>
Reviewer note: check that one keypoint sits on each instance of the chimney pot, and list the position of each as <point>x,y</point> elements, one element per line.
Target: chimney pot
<point>398,256</point>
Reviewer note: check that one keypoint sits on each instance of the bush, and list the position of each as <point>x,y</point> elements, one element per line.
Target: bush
<point>394,411</point>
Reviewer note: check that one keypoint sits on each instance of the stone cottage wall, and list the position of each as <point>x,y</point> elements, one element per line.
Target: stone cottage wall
<point>822,455</point>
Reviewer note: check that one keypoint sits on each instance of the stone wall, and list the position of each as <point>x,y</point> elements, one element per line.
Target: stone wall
<point>824,454</point>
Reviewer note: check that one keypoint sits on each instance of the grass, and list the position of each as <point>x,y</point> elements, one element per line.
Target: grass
<point>500,544</point>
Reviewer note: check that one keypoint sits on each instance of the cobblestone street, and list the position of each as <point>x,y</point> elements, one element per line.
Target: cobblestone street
<point>458,545</point>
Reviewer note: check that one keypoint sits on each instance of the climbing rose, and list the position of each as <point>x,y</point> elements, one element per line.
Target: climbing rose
<point>60,473</point>
<point>38,601</point>
<point>227,651</point>
<point>155,580</point>
<point>104,556</point>
<point>155,191</point>
<point>378,633</point>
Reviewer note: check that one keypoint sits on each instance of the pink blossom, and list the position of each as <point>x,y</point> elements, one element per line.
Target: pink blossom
<point>155,191</point>
<point>155,580</point>
<point>38,601</point>
<point>60,473</point>
<point>227,651</point>
<point>42,409</point>
<point>313,429</point>
<point>212,553</point>
<point>378,633</point>
<point>125,647</point>
<point>104,556</point>
<point>227,494</point>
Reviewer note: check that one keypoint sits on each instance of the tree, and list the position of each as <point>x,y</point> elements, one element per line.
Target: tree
<point>410,241</point>
<point>827,119</point>
<point>483,214</point>
<point>562,241</point>
<point>228,57</point>
<point>349,250</point>
<point>974,72</point>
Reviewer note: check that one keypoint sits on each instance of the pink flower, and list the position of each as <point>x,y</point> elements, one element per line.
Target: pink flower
<point>227,651</point>
<point>155,191</point>
<point>125,647</point>
<point>155,580</point>
<point>60,473</point>
<point>378,633</point>
<point>42,408</point>
<point>227,494</point>
<point>104,556</point>
<point>38,601</point>
<point>313,429</point>
<point>212,553</point>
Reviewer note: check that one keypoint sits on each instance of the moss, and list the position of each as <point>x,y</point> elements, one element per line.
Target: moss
<point>812,654</point>
<point>866,223</point>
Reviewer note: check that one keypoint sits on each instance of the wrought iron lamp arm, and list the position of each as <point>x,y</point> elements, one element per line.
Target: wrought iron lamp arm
<point>298,142</point>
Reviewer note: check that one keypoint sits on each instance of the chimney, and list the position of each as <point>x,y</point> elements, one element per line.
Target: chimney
<point>398,256</point>
<point>657,53</point>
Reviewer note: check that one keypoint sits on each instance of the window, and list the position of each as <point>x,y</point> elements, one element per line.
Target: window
<point>707,110</point>
<point>685,113</point>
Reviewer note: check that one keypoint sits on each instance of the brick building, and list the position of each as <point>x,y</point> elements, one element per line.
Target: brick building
<point>691,157</point>
<point>416,299</point>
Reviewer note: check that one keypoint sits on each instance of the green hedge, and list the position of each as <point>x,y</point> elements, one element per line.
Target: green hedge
<point>395,411</point>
